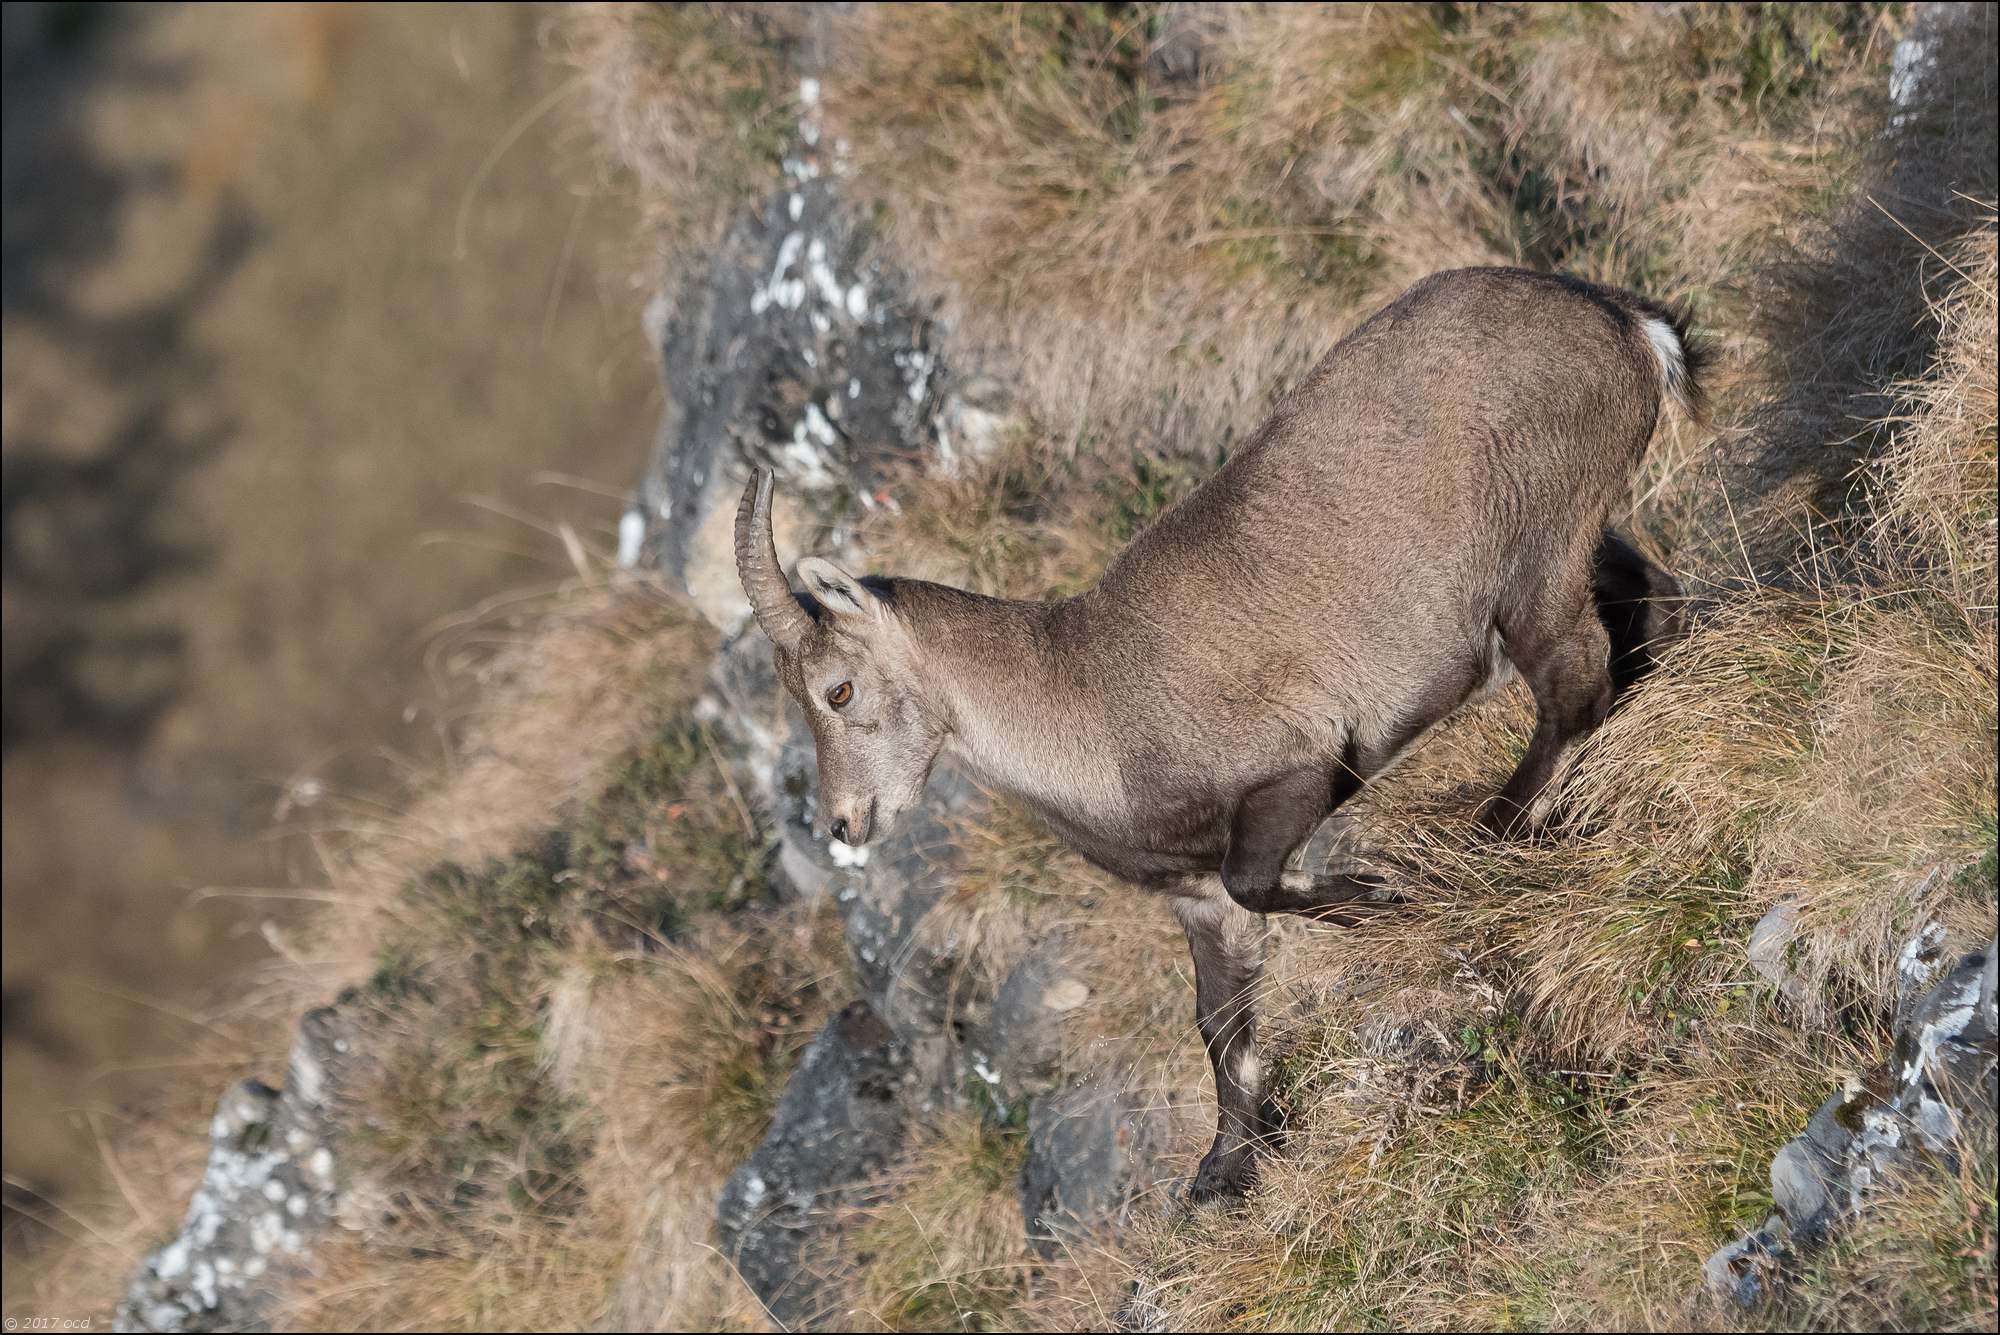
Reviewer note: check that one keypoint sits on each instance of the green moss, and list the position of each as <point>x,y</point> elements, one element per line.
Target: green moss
<point>505,910</point>
<point>461,1110</point>
<point>458,1106</point>
<point>663,840</point>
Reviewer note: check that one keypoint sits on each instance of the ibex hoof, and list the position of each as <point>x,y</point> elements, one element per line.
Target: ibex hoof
<point>1222,1179</point>
<point>1503,818</point>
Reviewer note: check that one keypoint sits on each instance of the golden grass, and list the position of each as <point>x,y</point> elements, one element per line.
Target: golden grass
<point>945,1250</point>
<point>1155,261</point>
<point>1830,743</point>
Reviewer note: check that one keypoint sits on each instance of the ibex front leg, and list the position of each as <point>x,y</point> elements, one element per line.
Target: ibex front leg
<point>1270,824</point>
<point>1227,943</point>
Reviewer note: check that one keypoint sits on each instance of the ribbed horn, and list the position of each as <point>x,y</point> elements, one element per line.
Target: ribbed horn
<point>757,566</point>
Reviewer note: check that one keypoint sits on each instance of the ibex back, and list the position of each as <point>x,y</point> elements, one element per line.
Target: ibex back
<point>1422,514</point>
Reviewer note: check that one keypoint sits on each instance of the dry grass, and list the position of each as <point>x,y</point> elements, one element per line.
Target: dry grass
<point>1830,743</point>
<point>946,1250</point>
<point>1068,207</point>
<point>559,691</point>
<point>1939,476</point>
<point>694,102</point>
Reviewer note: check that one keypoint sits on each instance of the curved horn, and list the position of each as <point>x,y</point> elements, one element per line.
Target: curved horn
<point>757,566</point>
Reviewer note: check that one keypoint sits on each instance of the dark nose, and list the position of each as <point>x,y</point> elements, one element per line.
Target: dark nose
<point>839,829</point>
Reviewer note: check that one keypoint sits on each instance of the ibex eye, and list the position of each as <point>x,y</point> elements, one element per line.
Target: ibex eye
<point>840,695</point>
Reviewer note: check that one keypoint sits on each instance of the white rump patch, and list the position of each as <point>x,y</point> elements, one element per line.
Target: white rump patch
<point>1672,357</point>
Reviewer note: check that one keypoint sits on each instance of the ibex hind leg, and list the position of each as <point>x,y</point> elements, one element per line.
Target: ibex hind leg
<point>1640,606</point>
<point>1567,664</point>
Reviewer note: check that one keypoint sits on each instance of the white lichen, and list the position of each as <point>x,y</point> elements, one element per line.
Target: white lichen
<point>631,534</point>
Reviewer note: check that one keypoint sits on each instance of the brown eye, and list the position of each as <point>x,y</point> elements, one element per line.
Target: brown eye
<point>840,695</point>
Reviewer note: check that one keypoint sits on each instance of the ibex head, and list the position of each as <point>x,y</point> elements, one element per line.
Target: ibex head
<point>849,661</point>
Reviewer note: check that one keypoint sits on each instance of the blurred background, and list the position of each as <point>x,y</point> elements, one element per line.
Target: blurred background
<point>315,337</point>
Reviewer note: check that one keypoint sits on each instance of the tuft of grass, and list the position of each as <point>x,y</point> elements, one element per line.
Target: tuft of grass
<point>666,839</point>
<point>947,1249</point>
<point>1938,478</point>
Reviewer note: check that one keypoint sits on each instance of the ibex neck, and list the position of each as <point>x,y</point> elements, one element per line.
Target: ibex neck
<point>1021,706</point>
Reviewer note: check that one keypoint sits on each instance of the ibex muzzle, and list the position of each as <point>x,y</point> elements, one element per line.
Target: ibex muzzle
<point>1425,512</point>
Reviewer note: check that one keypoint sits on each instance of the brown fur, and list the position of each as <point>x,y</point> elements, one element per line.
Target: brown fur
<point>1425,508</point>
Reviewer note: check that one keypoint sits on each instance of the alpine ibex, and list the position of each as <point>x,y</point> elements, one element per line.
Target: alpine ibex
<point>1423,513</point>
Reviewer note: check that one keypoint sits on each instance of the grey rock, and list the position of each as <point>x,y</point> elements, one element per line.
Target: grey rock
<point>1746,1272</point>
<point>908,974</point>
<point>974,419</point>
<point>794,348</point>
<point>1935,1099</point>
<point>1770,950</point>
<point>1017,1050</point>
<point>272,1185</point>
<point>1946,1054</point>
<point>1186,41</point>
<point>1092,1150</point>
<point>839,1122</point>
<point>1808,1174</point>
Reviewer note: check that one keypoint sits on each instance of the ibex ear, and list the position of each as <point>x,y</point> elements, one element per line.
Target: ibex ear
<point>844,597</point>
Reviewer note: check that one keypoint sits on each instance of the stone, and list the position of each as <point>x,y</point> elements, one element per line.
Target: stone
<point>1017,1050</point>
<point>1936,1097</point>
<point>1186,41</point>
<point>1918,965</point>
<point>1770,949</point>
<point>1745,1272</point>
<point>793,349</point>
<point>972,422</point>
<point>838,1124</point>
<point>272,1185</point>
<point>907,973</point>
<point>1092,1149</point>
<point>1808,1174</point>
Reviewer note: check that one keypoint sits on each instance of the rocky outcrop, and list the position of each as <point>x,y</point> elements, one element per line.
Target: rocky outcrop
<point>271,1186</point>
<point>1090,1149</point>
<point>1933,1102</point>
<point>839,1123</point>
<point>796,348</point>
